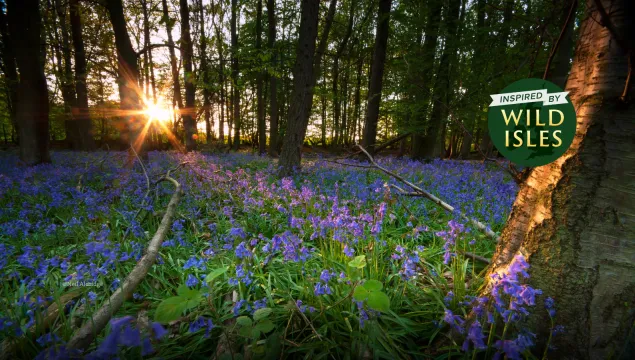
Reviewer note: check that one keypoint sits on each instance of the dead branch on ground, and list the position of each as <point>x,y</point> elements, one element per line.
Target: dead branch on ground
<point>419,192</point>
<point>87,333</point>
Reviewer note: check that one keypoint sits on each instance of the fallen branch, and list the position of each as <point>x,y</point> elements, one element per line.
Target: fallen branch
<point>476,257</point>
<point>87,333</point>
<point>419,192</point>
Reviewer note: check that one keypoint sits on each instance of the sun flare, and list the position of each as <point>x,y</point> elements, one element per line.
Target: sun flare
<point>158,112</point>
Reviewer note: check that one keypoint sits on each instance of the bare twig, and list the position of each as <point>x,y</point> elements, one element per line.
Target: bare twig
<point>422,193</point>
<point>87,333</point>
<point>476,257</point>
<point>349,164</point>
<point>307,320</point>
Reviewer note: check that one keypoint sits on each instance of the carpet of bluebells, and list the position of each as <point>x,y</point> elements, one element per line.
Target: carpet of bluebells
<point>328,263</point>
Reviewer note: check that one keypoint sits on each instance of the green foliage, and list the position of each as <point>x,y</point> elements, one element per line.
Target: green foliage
<point>371,291</point>
<point>172,308</point>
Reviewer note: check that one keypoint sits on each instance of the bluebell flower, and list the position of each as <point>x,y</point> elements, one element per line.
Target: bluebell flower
<point>241,251</point>
<point>158,330</point>
<point>192,280</point>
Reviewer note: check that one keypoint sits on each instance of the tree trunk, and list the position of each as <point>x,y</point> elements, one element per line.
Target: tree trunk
<point>357,97</point>
<point>337,108</point>
<point>221,75</point>
<point>262,127</point>
<point>573,219</point>
<point>434,141</point>
<point>189,112</point>
<point>207,103</point>
<point>64,74</point>
<point>9,66</point>
<point>173,65</point>
<point>466,145</point>
<point>235,88</point>
<point>425,74</point>
<point>273,80</point>
<point>298,116</point>
<point>33,105</point>
<point>317,68</point>
<point>128,81</point>
<point>81,115</point>
<point>377,75</point>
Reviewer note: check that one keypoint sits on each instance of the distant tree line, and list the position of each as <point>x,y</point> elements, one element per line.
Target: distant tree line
<point>274,74</point>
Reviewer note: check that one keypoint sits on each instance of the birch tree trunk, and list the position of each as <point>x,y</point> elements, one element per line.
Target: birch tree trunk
<point>574,219</point>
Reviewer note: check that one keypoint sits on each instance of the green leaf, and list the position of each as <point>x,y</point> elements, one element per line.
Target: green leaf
<point>245,331</point>
<point>265,326</point>
<point>216,273</point>
<point>262,313</point>
<point>358,262</point>
<point>373,285</point>
<point>379,301</point>
<point>255,333</point>
<point>170,309</point>
<point>187,293</point>
<point>360,293</point>
<point>244,321</point>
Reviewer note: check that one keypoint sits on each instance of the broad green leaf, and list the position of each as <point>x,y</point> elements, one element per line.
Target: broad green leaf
<point>358,262</point>
<point>244,321</point>
<point>265,326</point>
<point>187,293</point>
<point>170,309</point>
<point>373,285</point>
<point>379,301</point>
<point>245,331</point>
<point>255,333</point>
<point>360,293</point>
<point>262,313</point>
<point>216,273</point>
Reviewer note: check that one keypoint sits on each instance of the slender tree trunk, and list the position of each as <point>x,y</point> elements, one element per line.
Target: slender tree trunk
<point>221,75</point>
<point>173,64</point>
<point>61,48</point>
<point>10,69</point>
<point>33,106</point>
<point>433,141</point>
<point>128,81</point>
<point>189,112</point>
<point>486,145</point>
<point>235,88</point>
<point>466,145</point>
<point>337,104</point>
<point>425,73</point>
<point>207,103</point>
<point>273,80</point>
<point>84,124</point>
<point>302,89</point>
<point>358,96</point>
<point>262,131</point>
<point>572,219</point>
<point>377,75</point>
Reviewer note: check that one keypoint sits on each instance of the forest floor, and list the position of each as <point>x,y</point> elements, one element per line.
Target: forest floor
<point>329,263</point>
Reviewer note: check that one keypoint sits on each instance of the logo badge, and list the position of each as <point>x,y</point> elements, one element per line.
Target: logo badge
<point>531,122</point>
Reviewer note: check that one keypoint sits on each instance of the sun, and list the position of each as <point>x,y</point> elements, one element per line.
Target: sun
<point>158,112</point>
